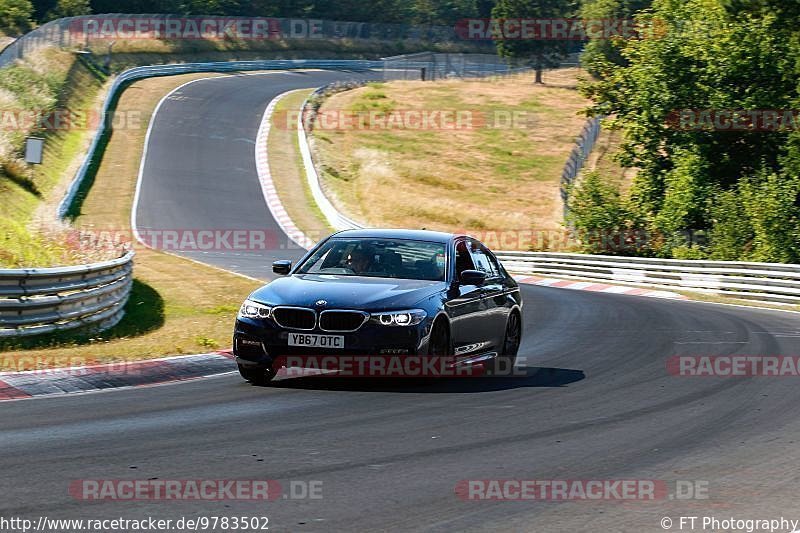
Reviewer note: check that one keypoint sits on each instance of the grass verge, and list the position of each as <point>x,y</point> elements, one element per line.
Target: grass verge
<point>287,169</point>
<point>496,173</point>
<point>169,312</point>
<point>49,95</point>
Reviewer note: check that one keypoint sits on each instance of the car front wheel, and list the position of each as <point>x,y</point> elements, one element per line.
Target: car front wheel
<point>503,364</point>
<point>439,342</point>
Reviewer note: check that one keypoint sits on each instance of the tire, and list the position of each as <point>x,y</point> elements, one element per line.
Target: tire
<point>439,343</point>
<point>257,375</point>
<point>503,364</point>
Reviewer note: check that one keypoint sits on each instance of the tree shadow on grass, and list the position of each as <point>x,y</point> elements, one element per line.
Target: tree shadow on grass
<point>144,313</point>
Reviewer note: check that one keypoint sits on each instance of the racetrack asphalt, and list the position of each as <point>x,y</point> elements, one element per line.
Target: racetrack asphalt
<point>199,172</point>
<point>595,401</point>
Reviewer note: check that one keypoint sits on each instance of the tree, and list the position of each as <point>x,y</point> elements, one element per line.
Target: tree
<point>41,9</point>
<point>715,57</point>
<point>600,215</point>
<point>601,51</point>
<point>484,8</point>
<point>442,12</point>
<point>771,203</point>
<point>15,16</point>
<point>131,6</point>
<point>71,8</point>
<point>379,11</point>
<point>539,53</point>
<point>209,7</point>
<point>786,11</point>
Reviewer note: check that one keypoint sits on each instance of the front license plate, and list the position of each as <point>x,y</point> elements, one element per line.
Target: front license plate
<point>316,341</point>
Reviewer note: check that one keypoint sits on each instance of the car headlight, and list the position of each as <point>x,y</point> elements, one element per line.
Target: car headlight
<point>412,317</point>
<point>251,309</point>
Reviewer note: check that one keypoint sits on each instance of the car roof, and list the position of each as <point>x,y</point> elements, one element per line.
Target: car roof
<point>419,235</point>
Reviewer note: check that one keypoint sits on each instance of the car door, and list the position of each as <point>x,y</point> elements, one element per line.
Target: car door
<point>493,294</point>
<point>465,305</point>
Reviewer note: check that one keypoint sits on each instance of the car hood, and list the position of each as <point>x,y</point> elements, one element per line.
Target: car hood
<point>347,292</point>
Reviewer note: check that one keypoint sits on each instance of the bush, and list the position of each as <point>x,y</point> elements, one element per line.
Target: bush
<point>758,221</point>
<point>70,8</point>
<point>736,182</point>
<point>599,215</point>
<point>15,16</point>
<point>683,210</point>
<point>731,234</point>
<point>772,204</point>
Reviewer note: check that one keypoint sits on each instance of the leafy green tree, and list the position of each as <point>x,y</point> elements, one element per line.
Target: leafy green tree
<point>484,8</point>
<point>15,16</point>
<point>684,208</point>
<point>742,186</point>
<point>786,11</point>
<point>601,51</point>
<point>41,8</point>
<point>599,215</point>
<point>757,221</point>
<point>539,53</point>
<point>382,11</point>
<point>210,7</point>
<point>731,234</point>
<point>131,6</point>
<point>442,12</point>
<point>771,204</point>
<point>720,60</point>
<point>71,8</point>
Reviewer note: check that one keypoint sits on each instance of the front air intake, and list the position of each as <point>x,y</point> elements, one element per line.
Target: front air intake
<point>295,318</point>
<point>342,321</point>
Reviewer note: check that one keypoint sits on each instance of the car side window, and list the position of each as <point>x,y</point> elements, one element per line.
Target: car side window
<point>498,268</point>
<point>463,258</point>
<point>483,260</point>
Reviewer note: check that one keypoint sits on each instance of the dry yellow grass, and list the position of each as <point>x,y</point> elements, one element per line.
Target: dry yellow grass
<point>177,306</point>
<point>474,179</point>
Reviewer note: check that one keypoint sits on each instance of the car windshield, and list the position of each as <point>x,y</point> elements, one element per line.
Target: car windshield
<point>378,258</point>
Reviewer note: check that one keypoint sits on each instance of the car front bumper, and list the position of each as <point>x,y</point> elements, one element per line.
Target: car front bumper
<point>262,343</point>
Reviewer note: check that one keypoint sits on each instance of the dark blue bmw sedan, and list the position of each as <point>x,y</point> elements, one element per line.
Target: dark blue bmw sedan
<point>391,293</point>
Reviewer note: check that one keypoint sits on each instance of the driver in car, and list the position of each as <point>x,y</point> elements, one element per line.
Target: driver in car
<point>360,261</point>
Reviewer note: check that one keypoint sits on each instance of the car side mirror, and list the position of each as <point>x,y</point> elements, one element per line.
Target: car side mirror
<point>472,277</point>
<point>282,267</point>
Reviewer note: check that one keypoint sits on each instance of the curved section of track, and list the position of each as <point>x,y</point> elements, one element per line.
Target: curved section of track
<point>596,400</point>
<point>199,169</point>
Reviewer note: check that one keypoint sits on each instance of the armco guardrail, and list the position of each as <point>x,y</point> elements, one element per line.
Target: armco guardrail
<point>584,145</point>
<point>47,300</point>
<point>769,282</point>
<point>186,68</point>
